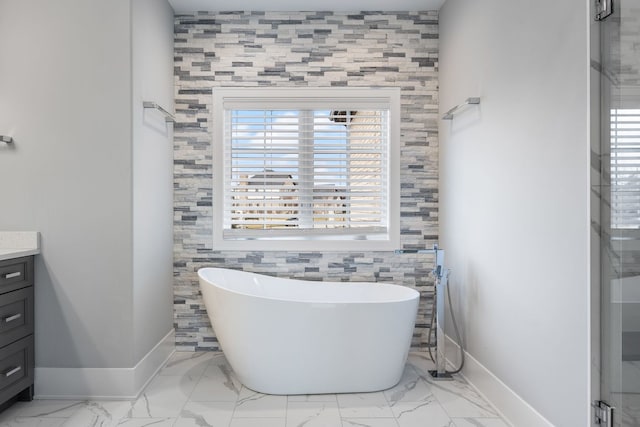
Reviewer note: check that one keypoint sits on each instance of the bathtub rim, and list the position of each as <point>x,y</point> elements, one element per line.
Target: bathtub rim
<point>411,294</point>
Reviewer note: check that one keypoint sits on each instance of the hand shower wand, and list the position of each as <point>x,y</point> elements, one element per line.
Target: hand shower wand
<point>441,275</point>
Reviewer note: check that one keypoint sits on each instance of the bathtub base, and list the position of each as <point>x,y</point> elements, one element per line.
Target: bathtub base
<point>276,391</point>
<point>323,382</point>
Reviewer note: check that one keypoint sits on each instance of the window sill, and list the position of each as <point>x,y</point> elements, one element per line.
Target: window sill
<point>315,245</point>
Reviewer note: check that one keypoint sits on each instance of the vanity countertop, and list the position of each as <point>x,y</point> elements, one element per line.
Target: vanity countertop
<point>16,244</point>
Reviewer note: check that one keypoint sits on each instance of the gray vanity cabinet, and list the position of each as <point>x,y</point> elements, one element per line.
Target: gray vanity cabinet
<point>16,330</point>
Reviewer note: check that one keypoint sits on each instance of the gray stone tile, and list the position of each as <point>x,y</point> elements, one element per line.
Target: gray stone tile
<point>312,50</point>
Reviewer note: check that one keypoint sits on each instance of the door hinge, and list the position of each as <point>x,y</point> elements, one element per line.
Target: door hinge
<point>604,8</point>
<point>603,413</point>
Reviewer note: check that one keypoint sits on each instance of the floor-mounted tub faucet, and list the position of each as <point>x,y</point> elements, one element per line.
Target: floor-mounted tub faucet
<point>441,275</point>
<point>438,266</point>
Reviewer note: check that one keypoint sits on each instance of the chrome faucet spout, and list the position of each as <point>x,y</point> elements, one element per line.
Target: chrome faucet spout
<point>438,267</point>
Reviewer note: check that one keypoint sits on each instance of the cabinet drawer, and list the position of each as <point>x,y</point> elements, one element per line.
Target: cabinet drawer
<point>16,367</point>
<point>16,273</point>
<point>16,315</point>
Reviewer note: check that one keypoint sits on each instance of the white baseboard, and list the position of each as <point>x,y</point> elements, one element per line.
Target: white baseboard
<point>508,403</point>
<point>103,383</point>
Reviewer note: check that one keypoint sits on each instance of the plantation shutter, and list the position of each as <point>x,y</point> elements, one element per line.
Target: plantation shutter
<point>625,168</point>
<point>296,172</point>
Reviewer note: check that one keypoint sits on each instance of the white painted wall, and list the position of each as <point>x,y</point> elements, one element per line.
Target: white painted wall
<point>72,76</point>
<point>152,32</point>
<point>65,91</point>
<point>514,188</point>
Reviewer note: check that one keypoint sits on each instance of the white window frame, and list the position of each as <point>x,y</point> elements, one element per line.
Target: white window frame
<point>299,98</point>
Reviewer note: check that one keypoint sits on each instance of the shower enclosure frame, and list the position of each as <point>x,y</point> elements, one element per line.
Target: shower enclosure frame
<point>615,213</point>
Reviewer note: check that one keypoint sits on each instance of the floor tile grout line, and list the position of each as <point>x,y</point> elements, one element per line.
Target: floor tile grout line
<point>339,410</point>
<point>195,383</point>
<point>437,400</point>
<point>235,403</point>
<point>286,410</point>
<point>395,419</point>
<point>498,412</point>
<point>461,394</point>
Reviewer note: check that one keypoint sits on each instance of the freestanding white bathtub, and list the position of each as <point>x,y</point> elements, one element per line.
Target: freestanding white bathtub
<point>285,336</point>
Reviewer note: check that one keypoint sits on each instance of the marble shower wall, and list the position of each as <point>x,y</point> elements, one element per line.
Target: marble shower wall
<point>299,49</point>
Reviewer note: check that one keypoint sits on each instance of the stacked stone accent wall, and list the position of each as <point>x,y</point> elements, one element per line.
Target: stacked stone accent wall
<point>300,49</point>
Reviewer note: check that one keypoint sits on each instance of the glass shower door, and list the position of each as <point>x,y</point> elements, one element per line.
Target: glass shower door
<point>620,211</point>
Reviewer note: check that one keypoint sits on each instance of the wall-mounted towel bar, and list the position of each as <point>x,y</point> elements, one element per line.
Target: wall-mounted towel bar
<point>452,112</point>
<point>167,115</point>
<point>6,139</point>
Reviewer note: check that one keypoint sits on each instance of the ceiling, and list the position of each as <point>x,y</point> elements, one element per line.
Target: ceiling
<point>186,6</point>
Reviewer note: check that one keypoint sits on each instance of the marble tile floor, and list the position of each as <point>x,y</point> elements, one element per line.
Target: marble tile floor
<point>200,390</point>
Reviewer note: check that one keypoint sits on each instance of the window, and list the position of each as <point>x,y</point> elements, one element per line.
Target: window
<point>625,169</point>
<point>304,169</point>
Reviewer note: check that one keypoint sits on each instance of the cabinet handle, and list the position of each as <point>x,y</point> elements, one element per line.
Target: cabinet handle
<point>12,275</point>
<point>13,371</point>
<point>12,318</point>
